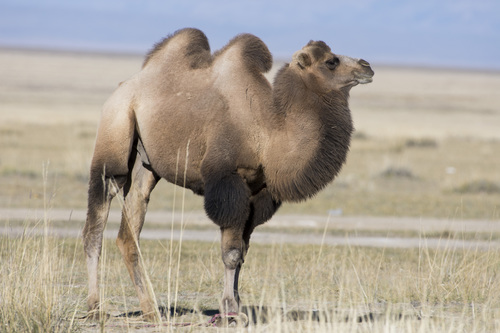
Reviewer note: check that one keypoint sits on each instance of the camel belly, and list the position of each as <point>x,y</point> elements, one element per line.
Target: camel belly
<point>176,159</point>
<point>188,177</point>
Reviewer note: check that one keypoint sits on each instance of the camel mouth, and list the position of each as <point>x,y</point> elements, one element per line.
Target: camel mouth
<point>360,79</point>
<point>364,78</point>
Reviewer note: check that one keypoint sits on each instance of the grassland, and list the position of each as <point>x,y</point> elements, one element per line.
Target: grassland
<point>285,287</point>
<point>427,145</point>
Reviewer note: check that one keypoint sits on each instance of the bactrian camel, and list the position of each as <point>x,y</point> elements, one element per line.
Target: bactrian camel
<point>214,124</point>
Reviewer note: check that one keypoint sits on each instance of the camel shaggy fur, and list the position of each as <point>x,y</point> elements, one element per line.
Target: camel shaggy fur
<point>214,124</point>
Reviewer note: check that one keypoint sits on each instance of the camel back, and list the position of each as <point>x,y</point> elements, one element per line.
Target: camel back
<point>192,46</point>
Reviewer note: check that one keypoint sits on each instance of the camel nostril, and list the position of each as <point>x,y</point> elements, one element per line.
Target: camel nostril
<point>363,63</point>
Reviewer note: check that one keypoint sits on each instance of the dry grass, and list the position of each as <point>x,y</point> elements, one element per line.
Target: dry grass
<point>285,287</point>
<point>480,186</point>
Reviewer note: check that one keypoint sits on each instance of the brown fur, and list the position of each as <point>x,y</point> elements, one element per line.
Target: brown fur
<point>214,124</point>
<point>331,133</point>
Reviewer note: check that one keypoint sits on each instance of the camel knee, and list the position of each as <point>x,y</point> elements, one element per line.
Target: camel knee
<point>92,236</point>
<point>120,244</point>
<point>232,258</point>
<point>128,247</point>
<point>232,247</point>
<point>92,246</point>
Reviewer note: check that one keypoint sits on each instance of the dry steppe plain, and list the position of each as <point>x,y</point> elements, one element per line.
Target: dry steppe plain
<point>406,238</point>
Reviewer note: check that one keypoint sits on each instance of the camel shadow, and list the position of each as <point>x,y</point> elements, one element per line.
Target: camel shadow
<point>178,311</point>
<point>265,314</point>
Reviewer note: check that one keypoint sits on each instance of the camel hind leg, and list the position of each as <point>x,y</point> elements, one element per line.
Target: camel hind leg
<point>101,192</point>
<point>109,172</point>
<point>137,193</point>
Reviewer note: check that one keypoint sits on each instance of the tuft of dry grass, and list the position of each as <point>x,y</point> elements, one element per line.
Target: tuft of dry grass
<point>421,143</point>
<point>481,186</point>
<point>39,291</point>
<point>397,172</point>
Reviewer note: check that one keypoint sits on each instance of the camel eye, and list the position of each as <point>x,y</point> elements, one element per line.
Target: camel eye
<point>332,63</point>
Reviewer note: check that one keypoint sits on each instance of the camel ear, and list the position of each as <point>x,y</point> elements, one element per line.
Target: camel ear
<point>303,60</point>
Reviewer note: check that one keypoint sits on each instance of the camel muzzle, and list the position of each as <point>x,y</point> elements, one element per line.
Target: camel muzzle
<point>366,73</point>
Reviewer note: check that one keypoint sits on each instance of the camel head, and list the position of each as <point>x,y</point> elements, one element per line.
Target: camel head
<point>323,71</point>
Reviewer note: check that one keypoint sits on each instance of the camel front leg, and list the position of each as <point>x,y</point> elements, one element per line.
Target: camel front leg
<point>233,251</point>
<point>234,244</point>
<point>227,203</point>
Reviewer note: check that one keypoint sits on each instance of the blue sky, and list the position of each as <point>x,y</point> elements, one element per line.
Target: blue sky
<point>452,33</point>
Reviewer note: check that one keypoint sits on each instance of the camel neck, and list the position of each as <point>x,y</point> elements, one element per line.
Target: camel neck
<point>310,147</point>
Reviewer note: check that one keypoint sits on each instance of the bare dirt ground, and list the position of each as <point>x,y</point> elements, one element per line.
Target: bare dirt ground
<point>296,229</point>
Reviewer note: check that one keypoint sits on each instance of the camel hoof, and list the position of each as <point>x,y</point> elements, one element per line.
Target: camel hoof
<point>242,320</point>
<point>230,320</point>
